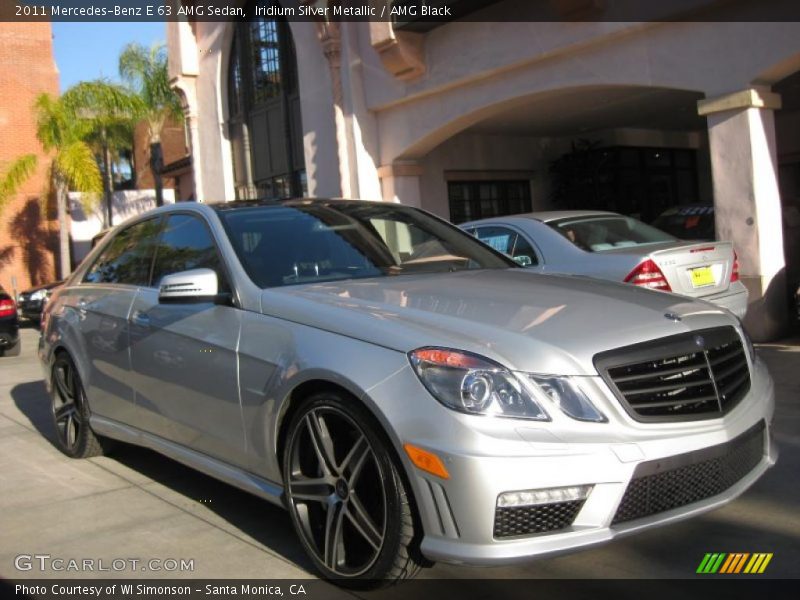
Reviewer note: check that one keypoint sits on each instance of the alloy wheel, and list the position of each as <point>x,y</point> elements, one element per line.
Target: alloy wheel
<point>68,402</point>
<point>335,488</point>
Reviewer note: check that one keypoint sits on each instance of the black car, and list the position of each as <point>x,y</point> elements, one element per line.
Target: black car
<point>10,344</point>
<point>688,222</point>
<point>31,302</point>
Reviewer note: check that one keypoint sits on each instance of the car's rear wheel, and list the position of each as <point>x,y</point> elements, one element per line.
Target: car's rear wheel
<point>70,410</point>
<point>347,499</point>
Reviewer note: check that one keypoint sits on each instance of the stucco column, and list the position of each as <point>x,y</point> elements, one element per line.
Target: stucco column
<point>400,183</point>
<point>747,205</point>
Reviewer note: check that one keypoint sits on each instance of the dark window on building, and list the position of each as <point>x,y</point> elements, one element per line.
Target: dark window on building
<point>187,244</point>
<point>637,181</point>
<point>265,126</point>
<point>470,200</point>
<point>128,257</point>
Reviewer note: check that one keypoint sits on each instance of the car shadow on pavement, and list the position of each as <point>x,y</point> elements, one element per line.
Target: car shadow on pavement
<point>265,523</point>
<point>32,401</point>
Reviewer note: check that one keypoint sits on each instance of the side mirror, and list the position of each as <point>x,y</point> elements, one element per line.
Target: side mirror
<point>523,260</point>
<point>197,285</point>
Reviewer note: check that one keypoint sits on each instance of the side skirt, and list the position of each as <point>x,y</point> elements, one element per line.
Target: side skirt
<point>200,462</point>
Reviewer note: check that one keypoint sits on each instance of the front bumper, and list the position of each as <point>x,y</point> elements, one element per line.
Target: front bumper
<point>459,513</point>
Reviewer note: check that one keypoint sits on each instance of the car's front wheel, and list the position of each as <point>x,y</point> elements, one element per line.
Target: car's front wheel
<point>347,499</point>
<point>70,410</point>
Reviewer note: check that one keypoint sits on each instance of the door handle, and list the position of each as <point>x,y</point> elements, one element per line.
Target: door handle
<point>141,319</point>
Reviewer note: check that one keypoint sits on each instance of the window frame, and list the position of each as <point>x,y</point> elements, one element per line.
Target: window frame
<point>503,184</point>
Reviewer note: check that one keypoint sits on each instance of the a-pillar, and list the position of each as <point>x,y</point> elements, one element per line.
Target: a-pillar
<point>747,205</point>
<point>400,183</point>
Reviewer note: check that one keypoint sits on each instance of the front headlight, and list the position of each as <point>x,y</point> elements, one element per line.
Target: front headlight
<point>39,295</point>
<point>474,385</point>
<point>566,394</point>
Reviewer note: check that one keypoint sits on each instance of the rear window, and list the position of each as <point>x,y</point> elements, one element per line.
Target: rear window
<point>598,234</point>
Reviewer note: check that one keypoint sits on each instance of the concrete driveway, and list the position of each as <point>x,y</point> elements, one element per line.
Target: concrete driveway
<point>139,505</point>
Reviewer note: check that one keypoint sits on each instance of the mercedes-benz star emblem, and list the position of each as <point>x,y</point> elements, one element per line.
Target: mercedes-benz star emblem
<point>700,341</point>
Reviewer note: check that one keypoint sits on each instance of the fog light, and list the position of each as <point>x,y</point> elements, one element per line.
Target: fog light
<point>545,496</point>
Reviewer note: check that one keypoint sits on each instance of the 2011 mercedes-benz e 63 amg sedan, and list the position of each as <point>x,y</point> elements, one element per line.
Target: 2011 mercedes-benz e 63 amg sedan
<point>406,392</point>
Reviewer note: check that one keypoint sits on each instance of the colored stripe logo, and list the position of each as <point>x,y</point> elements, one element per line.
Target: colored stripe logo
<point>734,563</point>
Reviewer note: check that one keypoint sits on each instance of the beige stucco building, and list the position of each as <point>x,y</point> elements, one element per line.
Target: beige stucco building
<point>470,119</point>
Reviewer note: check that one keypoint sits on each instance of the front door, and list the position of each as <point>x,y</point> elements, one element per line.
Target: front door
<point>184,355</point>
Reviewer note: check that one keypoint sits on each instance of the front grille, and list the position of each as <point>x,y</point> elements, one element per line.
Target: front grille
<point>510,521</point>
<point>676,481</point>
<point>691,376</point>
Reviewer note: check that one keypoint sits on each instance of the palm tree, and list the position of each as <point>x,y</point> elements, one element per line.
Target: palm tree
<point>73,165</point>
<point>108,112</point>
<point>14,175</point>
<point>145,70</point>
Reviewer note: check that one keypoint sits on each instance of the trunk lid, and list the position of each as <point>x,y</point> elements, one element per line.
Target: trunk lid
<point>694,269</point>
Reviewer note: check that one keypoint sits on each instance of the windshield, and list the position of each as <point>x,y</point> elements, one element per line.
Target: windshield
<point>600,233</point>
<point>283,245</point>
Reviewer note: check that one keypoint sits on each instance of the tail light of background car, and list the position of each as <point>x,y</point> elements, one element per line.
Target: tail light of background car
<point>647,274</point>
<point>735,273</point>
<point>7,308</point>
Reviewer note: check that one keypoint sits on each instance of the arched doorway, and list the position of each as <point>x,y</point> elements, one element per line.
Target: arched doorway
<point>265,126</point>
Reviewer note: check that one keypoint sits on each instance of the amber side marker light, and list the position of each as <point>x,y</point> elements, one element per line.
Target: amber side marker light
<point>426,461</point>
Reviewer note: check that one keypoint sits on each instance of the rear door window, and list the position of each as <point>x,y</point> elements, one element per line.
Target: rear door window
<point>508,242</point>
<point>128,257</point>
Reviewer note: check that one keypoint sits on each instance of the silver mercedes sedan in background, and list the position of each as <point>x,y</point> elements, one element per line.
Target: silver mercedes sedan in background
<point>612,246</point>
<point>407,393</point>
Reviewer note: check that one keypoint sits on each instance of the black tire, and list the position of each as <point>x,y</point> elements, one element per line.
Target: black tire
<point>350,488</point>
<point>14,350</point>
<point>70,410</point>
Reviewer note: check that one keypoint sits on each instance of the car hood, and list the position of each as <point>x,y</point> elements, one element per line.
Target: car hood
<point>529,322</point>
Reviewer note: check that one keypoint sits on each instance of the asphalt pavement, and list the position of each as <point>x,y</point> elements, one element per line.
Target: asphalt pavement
<point>138,505</point>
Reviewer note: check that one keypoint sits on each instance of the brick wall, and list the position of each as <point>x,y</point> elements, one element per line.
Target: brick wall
<point>28,234</point>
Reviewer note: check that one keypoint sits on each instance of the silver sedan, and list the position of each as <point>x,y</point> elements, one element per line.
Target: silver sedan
<point>612,246</point>
<point>407,393</point>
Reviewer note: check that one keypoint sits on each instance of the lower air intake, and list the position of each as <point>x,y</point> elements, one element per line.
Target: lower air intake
<point>676,481</point>
<point>513,521</point>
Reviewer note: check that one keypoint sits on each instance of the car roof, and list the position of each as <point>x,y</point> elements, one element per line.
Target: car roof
<point>547,216</point>
<point>236,204</point>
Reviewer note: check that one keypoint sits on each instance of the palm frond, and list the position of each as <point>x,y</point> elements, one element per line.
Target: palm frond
<point>101,102</point>
<point>77,165</point>
<point>51,121</point>
<point>145,71</point>
<point>13,176</point>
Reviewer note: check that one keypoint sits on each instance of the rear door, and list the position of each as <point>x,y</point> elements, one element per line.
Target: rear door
<point>184,355</point>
